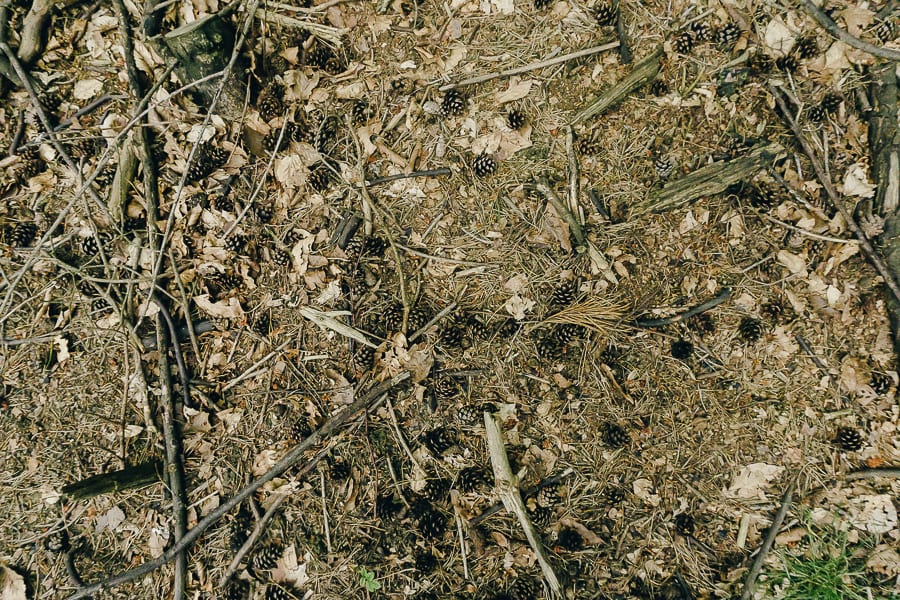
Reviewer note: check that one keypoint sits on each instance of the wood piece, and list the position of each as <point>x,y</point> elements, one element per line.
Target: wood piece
<point>828,24</point>
<point>709,180</point>
<point>35,30</point>
<point>508,490</point>
<point>724,295</point>
<point>750,581</point>
<point>129,478</point>
<point>543,186</point>
<point>643,73</point>
<point>202,48</point>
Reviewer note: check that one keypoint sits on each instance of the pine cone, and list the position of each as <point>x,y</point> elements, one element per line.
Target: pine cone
<point>701,30</point>
<point>848,439</point>
<point>727,35</point>
<point>484,165</point>
<point>508,328</point>
<point>760,63</point>
<point>478,329</point>
<point>279,257</point>
<point>816,113</point>
<point>542,4</point>
<point>682,349</point>
<point>564,294</point>
<point>881,382</point>
<point>683,42</point>
<point>548,495</point>
<point>207,159</point>
<point>360,113</point>
<point>453,104</point>
<point>605,13</point>
<point>540,516</point>
<point>684,524</point>
<point>31,163</point>
<point>569,539</point>
<point>23,234</point>
<point>364,358</point>
<point>523,588</point>
<point>237,589</point>
<point>445,389</point>
<point>702,324</point>
<point>659,87</point>
<point>432,524</point>
<point>516,119</point>
<point>614,495</point>
<point>614,435</point>
<point>664,165</point>
<point>436,490</point>
<point>831,102</point>
<point>750,329</point>
<point>439,440</point>
<point>470,414</point>
<point>426,561</point>
<point>266,557</point>
<point>471,479</point>
<point>271,102</point>
<point>236,242</point>
<point>548,347</point>
<point>787,63</point>
<point>263,212</point>
<point>452,335</point>
<point>277,592</point>
<point>319,178</point>
<point>805,47</point>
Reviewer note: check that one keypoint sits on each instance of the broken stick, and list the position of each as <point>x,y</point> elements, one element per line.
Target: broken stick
<point>643,73</point>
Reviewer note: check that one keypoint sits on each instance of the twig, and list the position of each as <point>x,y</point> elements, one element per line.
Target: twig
<point>494,509</point>
<point>812,355</point>
<point>825,180</point>
<point>251,370</point>
<point>530,67</point>
<point>450,308</point>
<point>508,491</point>
<point>872,473</point>
<point>573,171</point>
<point>641,74</point>
<point>426,173</point>
<point>543,186</point>
<point>149,342</point>
<point>828,24</point>
<point>805,232</point>
<point>768,541</point>
<point>325,513</point>
<point>400,440</point>
<point>625,55</point>
<point>17,136</point>
<point>364,402</point>
<point>331,34</point>
<point>454,499</point>
<point>452,261</point>
<point>724,295</point>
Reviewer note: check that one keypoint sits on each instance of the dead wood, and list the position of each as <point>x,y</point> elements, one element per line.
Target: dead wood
<point>709,180</point>
<point>129,478</point>
<point>643,73</point>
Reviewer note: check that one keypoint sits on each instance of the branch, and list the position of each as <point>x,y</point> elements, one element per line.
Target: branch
<point>825,180</point>
<point>289,460</point>
<point>828,24</point>
<point>767,543</point>
<point>643,73</point>
<point>543,186</point>
<point>508,491</point>
<point>724,295</point>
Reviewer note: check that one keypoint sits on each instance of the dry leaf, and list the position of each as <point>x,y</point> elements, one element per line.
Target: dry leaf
<point>223,309</point>
<point>884,560</point>
<point>856,183</point>
<point>795,264</point>
<point>873,513</point>
<point>109,520</point>
<point>515,91</point>
<point>557,227</point>
<point>12,585</point>
<point>778,38</point>
<point>86,89</point>
<point>752,481</point>
<point>517,306</point>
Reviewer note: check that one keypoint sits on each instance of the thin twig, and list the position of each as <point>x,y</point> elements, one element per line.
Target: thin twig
<point>426,173</point>
<point>543,186</point>
<point>495,508</point>
<point>531,67</point>
<point>625,56</point>
<point>449,309</point>
<point>825,180</point>
<point>872,473</point>
<point>724,295</point>
<point>364,402</point>
<point>574,175</point>
<point>325,513</point>
<point>828,24</point>
<point>400,440</point>
<point>812,355</point>
<point>451,261</point>
<point>768,541</point>
<point>454,499</point>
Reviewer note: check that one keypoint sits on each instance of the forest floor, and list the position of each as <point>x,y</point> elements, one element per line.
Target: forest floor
<point>662,453</point>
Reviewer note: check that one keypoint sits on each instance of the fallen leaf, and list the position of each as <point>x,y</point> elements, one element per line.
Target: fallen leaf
<point>109,520</point>
<point>884,560</point>
<point>778,38</point>
<point>515,91</point>
<point>86,89</point>
<point>224,309</point>
<point>752,481</point>
<point>12,585</point>
<point>795,264</point>
<point>873,513</point>
<point>856,183</point>
<point>517,306</point>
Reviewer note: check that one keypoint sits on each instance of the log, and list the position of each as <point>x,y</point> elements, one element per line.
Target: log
<point>709,180</point>
<point>129,478</point>
<point>643,73</point>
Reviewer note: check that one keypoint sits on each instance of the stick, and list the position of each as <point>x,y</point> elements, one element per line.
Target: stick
<point>508,491</point>
<point>767,543</point>
<point>494,509</point>
<point>426,173</point>
<point>400,440</point>
<point>454,499</point>
<point>543,186</point>
<point>325,513</point>
<point>450,308</point>
<point>872,473</point>
<point>291,458</point>
<point>643,73</point>
<point>709,180</point>
<point>625,55</point>
<point>812,355</point>
<point>724,295</point>
<point>825,180</point>
<point>573,171</point>
<point>530,67</point>
<point>828,24</point>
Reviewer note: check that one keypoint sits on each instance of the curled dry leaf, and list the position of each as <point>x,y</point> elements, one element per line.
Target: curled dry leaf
<point>753,480</point>
<point>12,585</point>
<point>223,309</point>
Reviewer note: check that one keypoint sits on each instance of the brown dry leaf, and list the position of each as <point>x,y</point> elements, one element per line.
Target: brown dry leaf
<point>857,19</point>
<point>589,536</point>
<point>516,90</point>
<point>517,306</point>
<point>874,513</point>
<point>885,560</point>
<point>556,226</point>
<point>12,585</point>
<point>223,309</point>
<point>418,361</point>
<point>752,481</point>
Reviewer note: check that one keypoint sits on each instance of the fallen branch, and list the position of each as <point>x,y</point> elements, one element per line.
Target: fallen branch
<point>750,581</point>
<point>34,28</point>
<point>289,460</point>
<point>709,180</point>
<point>643,73</point>
<point>129,478</point>
<point>873,473</point>
<point>508,491</point>
<point>828,24</point>
<point>625,55</point>
<point>530,67</point>
<point>574,175</point>
<point>495,508</point>
<point>825,180</point>
<point>543,186</point>
<point>426,173</point>
<point>724,295</point>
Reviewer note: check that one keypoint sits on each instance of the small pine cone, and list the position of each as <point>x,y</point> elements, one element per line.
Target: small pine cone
<point>614,435</point>
<point>542,4</point>
<point>271,102</point>
<point>453,104</point>
<point>23,234</point>
<point>605,13</point>
<point>760,63</point>
<point>508,328</point>
<point>614,495</point>
<point>131,224</point>
<point>564,294</point>
<point>484,165</point>
<point>327,134</point>
<point>360,113</point>
<point>523,588</point>
<point>270,141</point>
<point>236,242</point>
<point>684,524</point>
<point>470,414</point>
<point>816,113</point>
<point>84,147</point>
<point>302,130</point>
<point>564,333</point>
<point>549,348</point>
<point>432,524</point>
<point>452,335</point>
<point>664,165</point>
<point>50,100</point>
<point>682,349</point>
<point>264,212</point>
<point>418,317</point>
<point>300,430</point>
<point>587,146</point>
<point>320,55</point>
<point>548,496</point>
<point>99,305</point>
<point>364,358</point>
<point>91,247</point>
<point>279,257</point>
<point>106,176</point>
<point>339,469</point>
<point>727,35</point>
<point>30,164</point>
<point>772,310</point>
<point>702,324</point>
<point>881,382</point>
<point>750,329</point>
<point>237,589</point>
<point>207,159</point>
<point>277,592</point>
<point>805,47</point>
<point>702,31</point>
<point>86,289</point>
<point>439,440</point>
<point>444,389</point>
<point>471,479</point>
<point>659,87</point>
<point>426,561</point>
<point>319,178</point>
<point>392,318</point>
<point>787,63</point>
<point>885,30</point>
<point>830,103</point>
<point>569,539</point>
<point>374,246</point>
<point>848,439</point>
<point>436,490</point>
<point>229,281</point>
<point>683,42</point>
<point>478,329</point>
<point>516,119</point>
<point>266,557</point>
<point>540,516</point>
